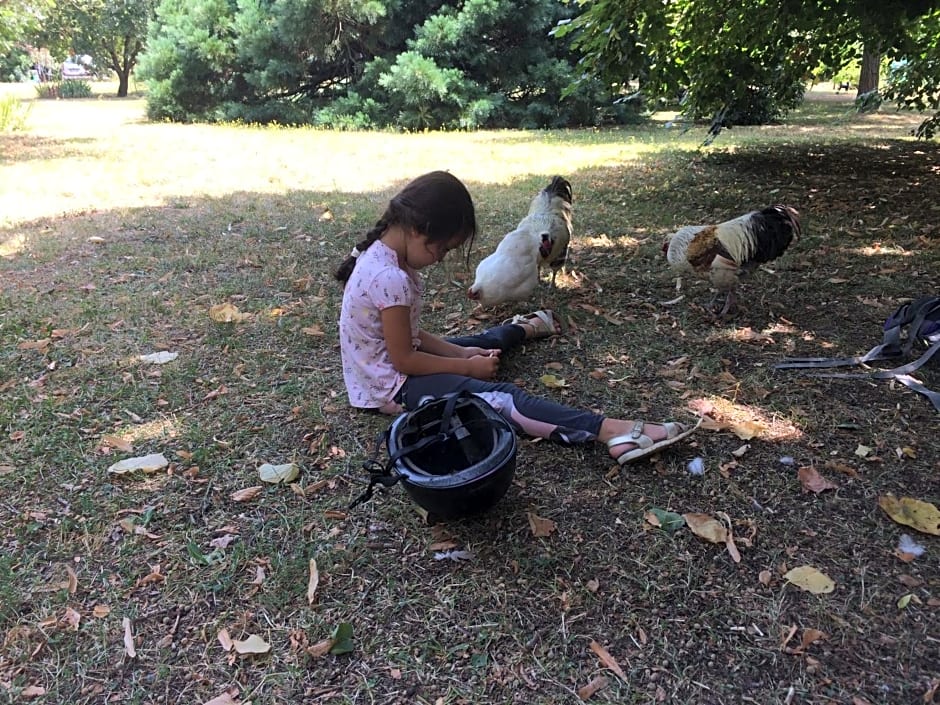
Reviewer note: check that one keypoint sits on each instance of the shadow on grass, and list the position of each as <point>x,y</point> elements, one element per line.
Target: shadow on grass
<point>515,623</point>
<point>25,147</point>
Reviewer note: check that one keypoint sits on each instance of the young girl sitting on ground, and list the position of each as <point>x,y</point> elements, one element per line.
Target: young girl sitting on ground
<point>390,363</point>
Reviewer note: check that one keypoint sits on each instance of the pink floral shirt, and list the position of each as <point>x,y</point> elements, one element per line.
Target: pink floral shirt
<point>377,282</point>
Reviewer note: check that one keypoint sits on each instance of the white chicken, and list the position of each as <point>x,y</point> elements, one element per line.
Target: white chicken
<point>724,251</point>
<point>511,272</point>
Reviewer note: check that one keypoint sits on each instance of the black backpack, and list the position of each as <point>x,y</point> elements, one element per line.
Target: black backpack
<point>917,322</point>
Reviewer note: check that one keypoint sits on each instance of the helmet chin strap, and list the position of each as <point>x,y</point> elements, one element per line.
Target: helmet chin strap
<point>385,475</point>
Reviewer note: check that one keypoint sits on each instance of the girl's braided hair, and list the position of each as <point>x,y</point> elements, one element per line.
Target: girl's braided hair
<point>437,205</point>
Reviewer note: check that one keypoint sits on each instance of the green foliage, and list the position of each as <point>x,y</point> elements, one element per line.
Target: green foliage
<point>112,32</point>
<point>741,64</point>
<point>913,77</point>
<point>70,88</point>
<point>422,94</point>
<point>19,21</point>
<point>188,49</point>
<point>48,89</point>
<point>349,112</point>
<point>868,102</point>
<point>13,113</point>
<point>14,65</point>
<point>352,64</point>
<point>74,89</point>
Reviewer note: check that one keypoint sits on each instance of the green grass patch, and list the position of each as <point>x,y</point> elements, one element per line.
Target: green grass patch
<point>117,236</point>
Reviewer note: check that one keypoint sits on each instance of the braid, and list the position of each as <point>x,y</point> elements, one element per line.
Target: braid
<point>345,269</point>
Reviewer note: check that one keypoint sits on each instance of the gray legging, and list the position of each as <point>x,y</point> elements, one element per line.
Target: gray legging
<point>538,417</point>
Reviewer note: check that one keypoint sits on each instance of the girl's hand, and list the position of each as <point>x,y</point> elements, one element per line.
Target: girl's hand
<point>485,352</point>
<point>484,367</point>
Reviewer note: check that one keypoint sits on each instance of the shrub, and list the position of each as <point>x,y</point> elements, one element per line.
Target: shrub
<point>868,102</point>
<point>13,113</point>
<point>48,89</point>
<point>70,88</point>
<point>15,65</point>
<point>75,89</point>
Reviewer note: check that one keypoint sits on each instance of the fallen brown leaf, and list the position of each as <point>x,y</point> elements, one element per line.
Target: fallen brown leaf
<point>729,540</point>
<point>812,481</point>
<point>119,443</point>
<point>809,637</point>
<point>587,690</point>
<point>313,582</point>
<point>72,580</point>
<point>706,526</point>
<point>746,430</point>
<point>321,648</point>
<point>841,467</point>
<point>808,578</point>
<point>787,633</point>
<point>608,660</point>
<point>227,313</point>
<point>226,698</point>
<point>71,619</point>
<point>540,526</point>
<point>34,344</point>
<point>247,494</point>
<point>254,644</point>
<point>915,513</point>
<point>225,640</point>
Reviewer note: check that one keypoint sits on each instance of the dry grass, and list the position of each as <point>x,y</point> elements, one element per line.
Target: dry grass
<point>117,236</point>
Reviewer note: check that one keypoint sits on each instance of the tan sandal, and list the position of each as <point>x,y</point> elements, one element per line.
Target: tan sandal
<point>542,323</point>
<point>645,445</point>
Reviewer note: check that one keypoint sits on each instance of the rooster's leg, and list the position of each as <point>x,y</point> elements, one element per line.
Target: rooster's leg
<point>731,303</point>
<point>713,304</point>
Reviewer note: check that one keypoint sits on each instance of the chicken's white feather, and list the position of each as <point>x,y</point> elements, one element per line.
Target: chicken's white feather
<point>511,272</point>
<point>737,236</point>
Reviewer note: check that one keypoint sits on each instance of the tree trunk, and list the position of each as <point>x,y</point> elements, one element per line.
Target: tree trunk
<point>123,80</point>
<point>869,76</point>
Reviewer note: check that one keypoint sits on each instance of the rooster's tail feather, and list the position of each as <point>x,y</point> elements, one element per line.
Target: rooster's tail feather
<point>772,230</point>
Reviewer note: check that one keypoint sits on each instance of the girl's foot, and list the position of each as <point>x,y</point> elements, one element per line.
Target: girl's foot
<point>538,324</point>
<point>631,440</point>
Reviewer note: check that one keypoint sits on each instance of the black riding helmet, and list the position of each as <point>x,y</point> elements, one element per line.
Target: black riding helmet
<point>455,456</point>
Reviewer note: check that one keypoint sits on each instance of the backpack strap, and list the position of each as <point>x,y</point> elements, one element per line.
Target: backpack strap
<point>913,314</point>
<point>900,374</point>
<point>933,396</point>
<point>889,348</point>
<point>920,318</point>
<point>925,308</point>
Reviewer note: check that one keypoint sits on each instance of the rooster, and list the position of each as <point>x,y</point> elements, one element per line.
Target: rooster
<point>540,240</point>
<point>727,250</point>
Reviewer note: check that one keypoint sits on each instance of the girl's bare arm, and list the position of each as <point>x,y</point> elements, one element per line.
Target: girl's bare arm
<point>396,327</point>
